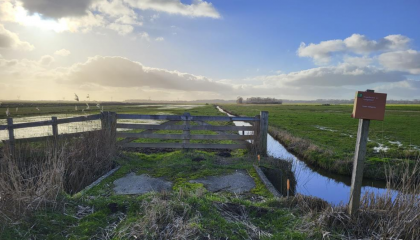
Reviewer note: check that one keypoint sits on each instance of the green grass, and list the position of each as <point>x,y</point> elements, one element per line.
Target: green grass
<point>27,109</point>
<point>191,199</point>
<point>339,135</point>
<point>179,168</point>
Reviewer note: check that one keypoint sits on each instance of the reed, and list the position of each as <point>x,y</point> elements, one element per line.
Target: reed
<point>36,175</point>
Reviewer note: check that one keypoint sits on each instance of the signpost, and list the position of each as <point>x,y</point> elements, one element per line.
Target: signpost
<point>367,106</point>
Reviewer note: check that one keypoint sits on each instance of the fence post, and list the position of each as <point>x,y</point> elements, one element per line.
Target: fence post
<point>11,136</point>
<point>262,133</point>
<point>54,126</point>
<point>109,126</point>
<point>186,133</point>
<point>358,165</point>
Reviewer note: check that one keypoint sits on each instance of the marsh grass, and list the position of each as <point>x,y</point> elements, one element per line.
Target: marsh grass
<point>35,175</point>
<point>392,215</point>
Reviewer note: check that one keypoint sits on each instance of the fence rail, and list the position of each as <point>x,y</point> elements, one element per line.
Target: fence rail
<point>109,122</point>
<point>185,117</point>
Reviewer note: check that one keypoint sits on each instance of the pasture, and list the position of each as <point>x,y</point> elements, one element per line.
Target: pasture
<point>333,132</point>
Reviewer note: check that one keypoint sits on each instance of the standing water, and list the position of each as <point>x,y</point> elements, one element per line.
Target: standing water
<point>333,188</point>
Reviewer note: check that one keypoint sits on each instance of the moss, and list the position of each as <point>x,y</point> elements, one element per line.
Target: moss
<point>260,188</point>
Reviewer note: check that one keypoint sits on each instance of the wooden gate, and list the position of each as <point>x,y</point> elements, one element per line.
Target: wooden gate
<point>251,135</point>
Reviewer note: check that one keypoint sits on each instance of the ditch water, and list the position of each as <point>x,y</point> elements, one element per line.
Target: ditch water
<point>62,128</point>
<point>333,188</point>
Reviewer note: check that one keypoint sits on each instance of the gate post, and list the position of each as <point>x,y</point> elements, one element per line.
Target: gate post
<point>109,126</point>
<point>186,117</point>
<point>262,133</point>
<point>11,136</point>
<point>54,127</point>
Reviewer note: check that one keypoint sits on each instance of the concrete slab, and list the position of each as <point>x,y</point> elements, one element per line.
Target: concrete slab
<point>133,184</point>
<point>237,182</point>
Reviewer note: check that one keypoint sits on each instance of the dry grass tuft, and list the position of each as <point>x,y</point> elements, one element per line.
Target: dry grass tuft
<point>29,185</point>
<point>393,215</point>
<point>35,174</point>
<point>239,214</point>
<point>164,218</point>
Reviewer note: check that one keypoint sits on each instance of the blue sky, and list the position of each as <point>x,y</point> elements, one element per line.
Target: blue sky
<point>199,49</point>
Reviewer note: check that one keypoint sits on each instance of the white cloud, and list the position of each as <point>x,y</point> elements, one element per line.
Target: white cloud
<point>198,8</point>
<point>356,43</point>
<point>358,61</point>
<point>154,17</point>
<point>9,39</point>
<point>362,45</point>
<point>401,90</point>
<point>321,53</point>
<point>128,20</point>
<point>62,52</point>
<point>160,39</point>
<point>143,36</point>
<point>408,61</point>
<point>46,60</point>
<point>24,71</point>
<point>332,76</point>
<point>122,29</point>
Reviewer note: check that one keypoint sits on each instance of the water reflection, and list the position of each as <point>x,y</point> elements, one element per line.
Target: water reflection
<point>62,128</point>
<point>333,188</point>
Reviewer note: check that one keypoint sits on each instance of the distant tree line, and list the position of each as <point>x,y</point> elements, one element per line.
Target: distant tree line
<point>258,100</point>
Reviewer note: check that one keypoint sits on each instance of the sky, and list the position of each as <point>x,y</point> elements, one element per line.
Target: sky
<point>208,49</point>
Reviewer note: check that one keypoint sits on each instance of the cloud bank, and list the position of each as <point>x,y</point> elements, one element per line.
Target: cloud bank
<point>322,52</point>
<point>9,39</point>
<point>124,73</point>
<point>84,15</point>
<point>126,79</point>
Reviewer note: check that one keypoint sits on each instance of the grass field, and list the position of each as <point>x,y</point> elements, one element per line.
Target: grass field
<point>26,109</point>
<point>333,132</point>
<point>188,212</point>
<point>192,212</point>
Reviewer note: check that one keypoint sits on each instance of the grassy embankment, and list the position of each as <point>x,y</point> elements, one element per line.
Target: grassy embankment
<point>325,136</point>
<point>188,212</point>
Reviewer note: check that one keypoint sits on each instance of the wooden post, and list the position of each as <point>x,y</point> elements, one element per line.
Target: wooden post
<point>11,136</point>
<point>358,165</point>
<point>262,133</point>
<point>109,126</point>
<point>54,126</point>
<point>186,133</point>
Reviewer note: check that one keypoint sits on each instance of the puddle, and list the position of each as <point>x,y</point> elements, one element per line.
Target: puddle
<point>396,143</point>
<point>325,129</point>
<point>380,148</point>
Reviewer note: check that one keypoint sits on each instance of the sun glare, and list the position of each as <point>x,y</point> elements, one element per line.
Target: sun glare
<point>23,17</point>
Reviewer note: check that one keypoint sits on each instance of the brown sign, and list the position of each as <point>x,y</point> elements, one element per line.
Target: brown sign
<point>369,105</point>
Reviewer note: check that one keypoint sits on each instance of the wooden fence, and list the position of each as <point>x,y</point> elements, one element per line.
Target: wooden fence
<point>257,133</point>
